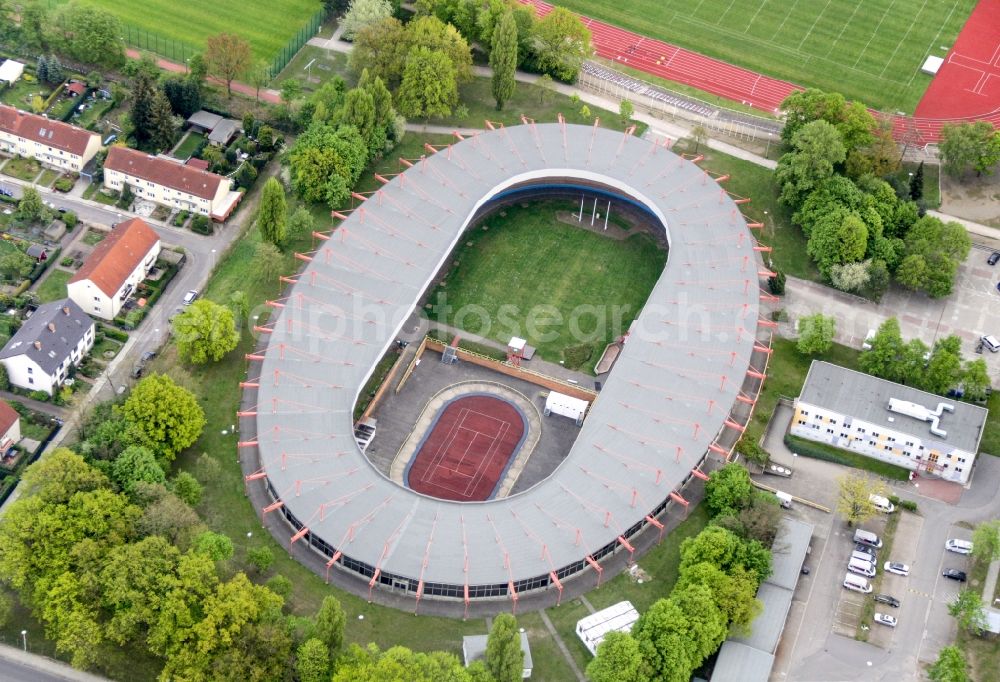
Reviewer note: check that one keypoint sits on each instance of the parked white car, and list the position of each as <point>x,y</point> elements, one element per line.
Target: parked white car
<point>897,568</point>
<point>958,546</point>
<point>885,619</point>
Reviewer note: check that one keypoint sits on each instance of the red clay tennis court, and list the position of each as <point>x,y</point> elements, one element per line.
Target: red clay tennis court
<point>467,450</point>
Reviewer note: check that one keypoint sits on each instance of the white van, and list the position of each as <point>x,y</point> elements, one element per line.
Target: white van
<point>990,342</point>
<point>857,583</point>
<point>866,537</point>
<point>958,546</point>
<point>864,568</point>
<point>882,504</point>
<point>784,499</point>
<point>861,556</point>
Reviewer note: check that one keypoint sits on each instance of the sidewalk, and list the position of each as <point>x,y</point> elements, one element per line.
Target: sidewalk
<point>17,661</point>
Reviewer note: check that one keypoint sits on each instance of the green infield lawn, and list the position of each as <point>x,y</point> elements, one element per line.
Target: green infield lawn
<point>268,26</point>
<point>871,50</point>
<point>567,290</point>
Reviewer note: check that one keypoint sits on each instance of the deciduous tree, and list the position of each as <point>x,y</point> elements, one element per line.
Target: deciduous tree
<point>663,634</point>
<point>134,581</point>
<point>216,546</point>
<point>950,666</point>
<point>886,348</point>
<point>968,610</point>
<point>136,463</point>
<point>816,334</point>
<point>30,207</point>
<point>205,331</point>
<point>503,59</point>
<point>227,57</point>
<point>88,34</point>
<point>728,489</point>
<point>618,659</point>
<point>839,237</point>
<point>854,500</point>
<point>560,44</point>
<point>969,146</point>
<point>504,658</point>
<point>816,148</point>
<point>429,87</point>
<point>362,13</point>
<point>986,541</point>
<point>168,416</point>
<point>312,661</point>
<point>326,162</point>
<point>185,486</point>
<point>944,368</point>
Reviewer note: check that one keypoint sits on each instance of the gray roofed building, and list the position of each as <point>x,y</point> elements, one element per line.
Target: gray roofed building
<point>749,659</point>
<point>888,421</point>
<point>203,121</point>
<point>688,357</point>
<point>39,355</point>
<point>222,133</point>
<point>741,663</point>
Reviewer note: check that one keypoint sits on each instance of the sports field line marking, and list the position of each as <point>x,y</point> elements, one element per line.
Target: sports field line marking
<point>698,7</point>
<point>459,427</point>
<point>875,32</point>
<point>782,24</point>
<point>843,28</point>
<point>723,15</point>
<point>443,460</point>
<point>903,39</point>
<point>933,42</point>
<point>815,21</point>
<point>754,17</point>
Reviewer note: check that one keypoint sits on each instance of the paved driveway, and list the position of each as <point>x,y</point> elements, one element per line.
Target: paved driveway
<point>972,310</point>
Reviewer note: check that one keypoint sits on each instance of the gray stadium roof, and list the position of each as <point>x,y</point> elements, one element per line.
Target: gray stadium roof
<point>660,409</point>
<point>741,663</point>
<point>865,397</point>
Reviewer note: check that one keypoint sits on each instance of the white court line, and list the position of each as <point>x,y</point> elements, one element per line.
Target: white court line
<point>875,32</point>
<point>844,28</point>
<point>754,17</point>
<point>436,467</point>
<point>933,42</point>
<point>723,15</point>
<point>782,24</point>
<point>816,21</point>
<point>903,39</point>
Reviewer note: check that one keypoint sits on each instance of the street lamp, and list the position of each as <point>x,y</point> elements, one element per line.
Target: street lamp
<point>767,147</point>
<point>24,639</point>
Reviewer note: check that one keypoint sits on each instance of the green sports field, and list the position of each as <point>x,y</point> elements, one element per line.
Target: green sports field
<point>869,50</point>
<point>267,24</point>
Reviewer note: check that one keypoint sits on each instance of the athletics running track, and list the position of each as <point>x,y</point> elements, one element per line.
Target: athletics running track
<point>949,99</point>
<point>468,449</point>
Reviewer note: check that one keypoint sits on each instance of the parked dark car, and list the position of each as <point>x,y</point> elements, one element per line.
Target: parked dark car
<point>6,192</point>
<point>994,257</point>
<point>955,574</point>
<point>886,599</point>
<point>858,547</point>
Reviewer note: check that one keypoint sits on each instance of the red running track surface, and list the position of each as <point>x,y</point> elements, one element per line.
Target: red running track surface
<point>467,450</point>
<point>766,94</point>
<point>682,66</point>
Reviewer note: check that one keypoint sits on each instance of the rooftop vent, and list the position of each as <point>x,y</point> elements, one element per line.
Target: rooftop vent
<point>37,345</point>
<point>922,413</point>
<point>51,326</point>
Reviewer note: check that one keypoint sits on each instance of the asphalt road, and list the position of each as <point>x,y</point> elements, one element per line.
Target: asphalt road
<point>19,666</point>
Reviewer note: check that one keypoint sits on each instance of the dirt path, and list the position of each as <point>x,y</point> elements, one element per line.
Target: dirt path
<point>266,95</point>
<point>976,199</point>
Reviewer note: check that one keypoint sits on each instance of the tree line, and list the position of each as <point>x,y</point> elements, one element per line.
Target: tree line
<point>720,571</point>
<point>864,227</point>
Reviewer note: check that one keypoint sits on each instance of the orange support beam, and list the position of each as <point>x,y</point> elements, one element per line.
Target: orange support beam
<point>271,507</point>
<point>755,226</point>
<point>247,444</point>
<point>676,497</point>
<point>247,414</point>
<point>298,536</point>
<point>597,567</point>
<point>698,473</point>
<point>249,384</point>
<point>715,448</point>
<point>255,476</point>
<point>555,581</point>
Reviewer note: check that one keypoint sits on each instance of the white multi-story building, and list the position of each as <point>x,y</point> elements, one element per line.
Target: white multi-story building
<point>57,336</point>
<point>53,143</point>
<point>170,182</point>
<point>115,268</point>
<point>890,422</point>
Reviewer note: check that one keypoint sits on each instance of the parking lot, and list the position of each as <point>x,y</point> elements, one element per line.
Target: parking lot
<point>819,639</point>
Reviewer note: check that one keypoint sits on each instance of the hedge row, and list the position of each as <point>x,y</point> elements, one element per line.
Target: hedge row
<point>808,448</point>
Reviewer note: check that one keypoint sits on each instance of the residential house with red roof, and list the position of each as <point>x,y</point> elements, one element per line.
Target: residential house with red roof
<point>114,269</point>
<point>170,182</point>
<point>53,143</point>
<point>10,427</point>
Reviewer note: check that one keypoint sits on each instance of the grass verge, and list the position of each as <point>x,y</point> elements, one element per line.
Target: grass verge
<point>868,609</point>
<point>808,448</point>
<point>53,287</point>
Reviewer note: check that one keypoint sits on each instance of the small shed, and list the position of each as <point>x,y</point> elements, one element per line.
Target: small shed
<point>566,406</point>
<point>200,164</point>
<point>38,252</point>
<point>76,89</point>
<point>10,71</point>
<point>474,649</point>
<point>203,121</point>
<point>55,231</point>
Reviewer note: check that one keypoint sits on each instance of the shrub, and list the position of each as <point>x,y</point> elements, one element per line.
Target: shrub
<point>202,225</point>
<point>777,284</point>
<point>40,395</point>
<point>63,185</point>
<point>70,219</point>
<point>181,218</point>
<point>66,262</point>
<point>260,558</point>
<point>116,334</point>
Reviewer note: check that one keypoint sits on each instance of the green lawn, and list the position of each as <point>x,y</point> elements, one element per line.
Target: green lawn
<point>870,51</point>
<point>325,63</point>
<point>21,94</point>
<point>22,169</point>
<point>47,177</point>
<point>532,101</point>
<point>186,148</point>
<point>532,276</point>
<point>53,287</point>
<point>267,26</point>
<point>829,453</point>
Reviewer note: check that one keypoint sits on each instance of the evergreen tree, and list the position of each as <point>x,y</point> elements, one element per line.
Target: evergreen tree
<point>917,183</point>
<point>54,70</point>
<point>271,216</point>
<point>503,59</point>
<point>161,122</point>
<point>144,92</point>
<point>42,69</point>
